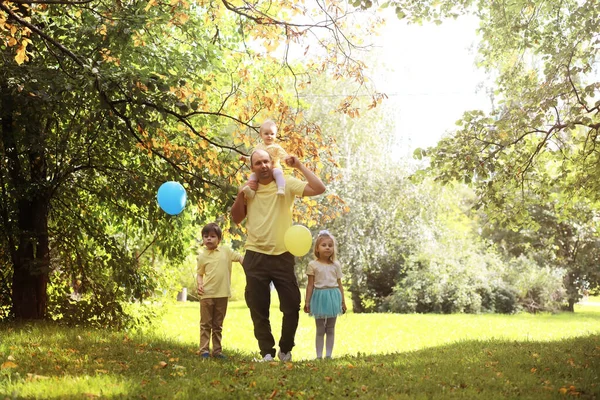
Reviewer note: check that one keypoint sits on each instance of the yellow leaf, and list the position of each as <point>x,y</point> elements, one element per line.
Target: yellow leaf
<point>8,364</point>
<point>183,18</point>
<point>21,57</point>
<point>150,4</point>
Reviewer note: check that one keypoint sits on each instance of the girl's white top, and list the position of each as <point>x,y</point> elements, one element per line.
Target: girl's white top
<point>326,275</point>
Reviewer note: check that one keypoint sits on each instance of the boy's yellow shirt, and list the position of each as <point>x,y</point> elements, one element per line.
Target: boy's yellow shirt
<point>268,216</point>
<point>215,267</point>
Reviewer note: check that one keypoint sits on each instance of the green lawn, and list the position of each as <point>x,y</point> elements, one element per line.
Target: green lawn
<point>376,356</point>
<point>385,333</point>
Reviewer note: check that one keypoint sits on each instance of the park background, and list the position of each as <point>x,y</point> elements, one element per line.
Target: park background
<point>462,181</point>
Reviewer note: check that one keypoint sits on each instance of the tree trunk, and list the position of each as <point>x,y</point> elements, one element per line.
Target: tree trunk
<point>572,291</point>
<point>354,289</point>
<point>357,306</point>
<point>30,277</point>
<point>26,202</point>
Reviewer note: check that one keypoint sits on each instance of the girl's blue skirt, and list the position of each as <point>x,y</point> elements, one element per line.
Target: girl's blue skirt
<point>326,303</point>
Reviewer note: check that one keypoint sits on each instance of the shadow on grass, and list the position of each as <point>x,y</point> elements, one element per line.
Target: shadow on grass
<point>46,361</point>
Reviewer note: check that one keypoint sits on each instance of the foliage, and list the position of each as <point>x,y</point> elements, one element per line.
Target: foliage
<point>538,289</point>
<point>536,356</point>
<point>560,236</point>
<point>104,101</point>
<point>538,145</point>
<point>446,280</point>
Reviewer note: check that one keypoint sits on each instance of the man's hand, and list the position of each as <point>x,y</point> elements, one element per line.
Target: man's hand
<point>315,185</point>
<point>292,161</point>
<point>200,290</point>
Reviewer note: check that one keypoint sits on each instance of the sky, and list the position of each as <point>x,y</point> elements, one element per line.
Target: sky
<point>430,78</point>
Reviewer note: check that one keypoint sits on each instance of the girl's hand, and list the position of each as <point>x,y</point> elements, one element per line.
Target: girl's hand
<point>344,308</point>
<point>307,308</point>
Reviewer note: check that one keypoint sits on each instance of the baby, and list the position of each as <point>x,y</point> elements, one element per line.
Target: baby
<point>268,134</point>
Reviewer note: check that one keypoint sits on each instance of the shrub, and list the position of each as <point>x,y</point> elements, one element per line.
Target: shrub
<point>538,288</point>
<point>505,300</point>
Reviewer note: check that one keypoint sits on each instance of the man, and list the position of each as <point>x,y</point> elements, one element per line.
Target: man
<point>268,216</point>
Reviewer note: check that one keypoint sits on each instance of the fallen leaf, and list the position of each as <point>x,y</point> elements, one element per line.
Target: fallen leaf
<point>8,364</point>
<point>33,377</point>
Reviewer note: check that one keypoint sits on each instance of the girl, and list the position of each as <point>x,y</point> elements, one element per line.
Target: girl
<point>324,293</point>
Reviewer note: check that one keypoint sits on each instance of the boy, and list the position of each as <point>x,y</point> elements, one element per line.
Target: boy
<point>214,288</point>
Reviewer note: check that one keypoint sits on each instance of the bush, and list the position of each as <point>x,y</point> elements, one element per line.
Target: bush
<point>505,300</point>
<point>442,282</point>
<point>100,308</point>
<point>538,288</point>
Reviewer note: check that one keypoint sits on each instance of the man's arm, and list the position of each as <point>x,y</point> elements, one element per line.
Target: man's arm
<point>315,185</point>
<point>238,209</point>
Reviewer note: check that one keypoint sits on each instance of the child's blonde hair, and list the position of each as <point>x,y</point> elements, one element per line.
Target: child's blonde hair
<point>322,235</point>
<point>266,124</point>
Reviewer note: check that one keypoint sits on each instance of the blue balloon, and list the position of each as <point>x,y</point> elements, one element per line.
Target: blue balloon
<point>171,197</point>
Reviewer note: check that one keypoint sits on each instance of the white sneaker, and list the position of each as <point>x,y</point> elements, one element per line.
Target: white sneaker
<point>267,358</point>
<point>248,192</point>
<point>284,356</point>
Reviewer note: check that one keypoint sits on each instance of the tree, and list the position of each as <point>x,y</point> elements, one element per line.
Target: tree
<point>101,102</point>
<point>562,235</point>
<point>539,143</point>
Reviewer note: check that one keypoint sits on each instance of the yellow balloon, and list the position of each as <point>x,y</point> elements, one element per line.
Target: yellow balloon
<point>298,240</point>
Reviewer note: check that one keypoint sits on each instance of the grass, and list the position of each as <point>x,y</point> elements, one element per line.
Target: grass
<point>392,356</point>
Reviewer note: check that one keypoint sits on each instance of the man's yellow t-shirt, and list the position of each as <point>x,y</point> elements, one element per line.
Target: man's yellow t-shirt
<point>215,267</point>
<point>268,216</point>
